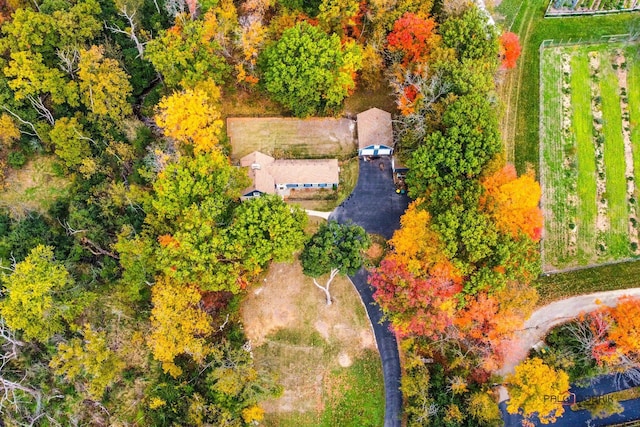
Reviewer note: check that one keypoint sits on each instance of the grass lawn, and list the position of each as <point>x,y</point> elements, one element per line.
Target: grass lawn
<point>596,279</point>
<point>633,80</point>
<point>586,161</point>
<point>617,238</point>
<point>292,138</point>
<point>34,187</point>
<point>324,356</point>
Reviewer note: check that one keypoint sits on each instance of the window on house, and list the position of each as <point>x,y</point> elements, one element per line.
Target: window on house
<point>308,185</point>
<point>323,185</point>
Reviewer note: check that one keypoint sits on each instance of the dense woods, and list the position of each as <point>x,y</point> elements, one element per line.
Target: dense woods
<point>120,301</point>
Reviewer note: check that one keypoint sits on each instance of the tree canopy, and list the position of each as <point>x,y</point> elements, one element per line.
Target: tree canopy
<point>308,71</point>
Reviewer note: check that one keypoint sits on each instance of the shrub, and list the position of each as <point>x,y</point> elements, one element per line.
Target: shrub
<point>16,159</point>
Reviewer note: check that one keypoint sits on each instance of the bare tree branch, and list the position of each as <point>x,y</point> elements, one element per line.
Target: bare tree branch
<point>42,110</point>
<point>24,122</point>
<point>69,58</point>
<point>130,31</point>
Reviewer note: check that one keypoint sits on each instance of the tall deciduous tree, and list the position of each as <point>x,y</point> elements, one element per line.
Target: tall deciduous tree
<point>104,86</point>
<point>469,139</point>
<point>9,132</point>
<point>89,359</point>
<point>470,35</point>
<point>192,117</point>
<point>414,37</point>
<point>418,306</point>
<point>509,49</point>
<point>264,229</point>
<point>536,388</point>
<point>334,249</point>
<point>308,71</point>
<point>69,141</point>
<point>34,296</point>
<point>178,325</point>
<point>193,204</point>
<point>189,52</point>
<point>513,202</point>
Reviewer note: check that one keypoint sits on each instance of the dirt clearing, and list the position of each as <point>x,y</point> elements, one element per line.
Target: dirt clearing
<point>297,336</point>
<point>34,187</point>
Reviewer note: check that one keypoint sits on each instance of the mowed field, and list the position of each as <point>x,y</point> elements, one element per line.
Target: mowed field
<point>590,154</point>
<point>292,138</point>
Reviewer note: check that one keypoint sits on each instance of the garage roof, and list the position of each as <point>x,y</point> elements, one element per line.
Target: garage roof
<point>374,128</point>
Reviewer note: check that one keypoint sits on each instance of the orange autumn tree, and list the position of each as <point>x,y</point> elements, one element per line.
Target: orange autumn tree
<point>415,244</point>
<point>625,331</point>
<point>414,37</point>
<point>486,325</point>
<point>509,49</point>
<point>513,202</point>
<point>415,306</point>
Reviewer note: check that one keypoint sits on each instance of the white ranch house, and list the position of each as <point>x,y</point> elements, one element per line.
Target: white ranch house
<point>280,176</point>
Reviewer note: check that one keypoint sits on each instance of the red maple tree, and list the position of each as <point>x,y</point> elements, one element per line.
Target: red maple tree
<point>413,36</point>
<point>509,49</point>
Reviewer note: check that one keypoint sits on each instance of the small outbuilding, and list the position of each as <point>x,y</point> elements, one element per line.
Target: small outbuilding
<point>279,176</point>
<point>375,133</point>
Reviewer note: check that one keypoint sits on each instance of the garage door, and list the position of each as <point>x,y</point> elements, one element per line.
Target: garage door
<point>368,152</point>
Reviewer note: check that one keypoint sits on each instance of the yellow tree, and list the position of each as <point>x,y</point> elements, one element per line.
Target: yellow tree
<point>417,245</point>
<point>33,300</point>
<point>537,388</point>
<point>178,325</point>
<point>192,117</point>
<point>90,359</point>
<point>9,132</point>
<point>104,86</point>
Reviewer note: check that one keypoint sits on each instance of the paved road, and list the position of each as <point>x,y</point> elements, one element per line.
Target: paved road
<point>374,204</point>
<point>376,207</point>
<point>545,318</point>
<point>598,387</point>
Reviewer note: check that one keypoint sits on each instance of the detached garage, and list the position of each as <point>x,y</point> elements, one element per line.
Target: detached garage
<point>375,133</point>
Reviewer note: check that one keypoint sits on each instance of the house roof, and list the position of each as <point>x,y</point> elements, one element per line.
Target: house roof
<point>316,171</point>
<point>266,172</point>
<point>374,128</point>
<point>257,164</point>
<point>256,158</point>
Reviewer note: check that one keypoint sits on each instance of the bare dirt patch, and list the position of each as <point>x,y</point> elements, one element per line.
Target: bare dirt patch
<point>34,187</point>
<point>301,339</point>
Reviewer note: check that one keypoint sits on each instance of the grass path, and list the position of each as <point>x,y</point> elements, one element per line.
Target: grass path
<point>583,128</point>
<point>617,238</point>
<point>634,109</point>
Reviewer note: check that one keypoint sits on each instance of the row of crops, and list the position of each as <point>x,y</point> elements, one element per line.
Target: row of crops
<point>569,7</point>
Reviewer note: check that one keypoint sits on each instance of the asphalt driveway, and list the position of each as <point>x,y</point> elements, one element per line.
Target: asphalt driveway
<point>597,387</point>
<point>375,206</point>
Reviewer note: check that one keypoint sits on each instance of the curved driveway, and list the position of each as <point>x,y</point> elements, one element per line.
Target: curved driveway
<point>375,206</point>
